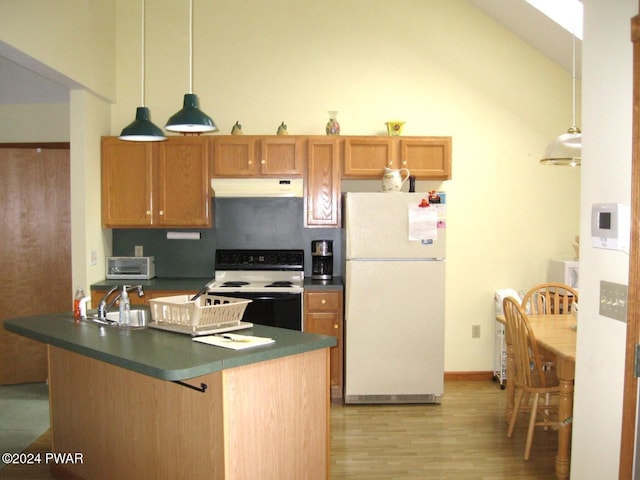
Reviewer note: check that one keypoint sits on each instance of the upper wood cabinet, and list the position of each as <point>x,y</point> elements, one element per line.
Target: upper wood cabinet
<point>322,183</point>
<point>156,184</point>
<point>258,156</point>
<point>428,158</point>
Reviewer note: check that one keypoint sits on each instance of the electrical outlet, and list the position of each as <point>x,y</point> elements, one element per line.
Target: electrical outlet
<point>613,300</point>
<point>475,331</point>
<point>138,251</point>
<point>93,258</point>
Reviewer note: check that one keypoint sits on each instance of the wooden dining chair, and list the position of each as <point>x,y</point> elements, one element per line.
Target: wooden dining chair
<point>550,298</point>
<point>530,382</point>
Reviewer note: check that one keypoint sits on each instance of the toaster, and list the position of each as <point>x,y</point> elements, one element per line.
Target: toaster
<point>130,268</point>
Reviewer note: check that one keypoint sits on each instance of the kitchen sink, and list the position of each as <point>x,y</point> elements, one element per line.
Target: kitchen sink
<point>139,318</point>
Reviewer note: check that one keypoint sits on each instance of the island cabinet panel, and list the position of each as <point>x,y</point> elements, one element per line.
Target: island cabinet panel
<point>324,315</point>
<point>129,425</point>
<point>156,184</point>
<point>267,420</point>
<point>271,427</point>
<point>322,185</point>
<point>258,156</point>
<point>427,158</point>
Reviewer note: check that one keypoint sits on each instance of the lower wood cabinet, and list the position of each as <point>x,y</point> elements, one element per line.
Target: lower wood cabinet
<point>323,314</point>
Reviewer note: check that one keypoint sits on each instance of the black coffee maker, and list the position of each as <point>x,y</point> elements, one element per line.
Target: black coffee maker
<point>321,259</point>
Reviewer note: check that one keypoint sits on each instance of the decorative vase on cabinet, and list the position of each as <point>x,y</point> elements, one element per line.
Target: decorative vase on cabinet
<point>333,127</point>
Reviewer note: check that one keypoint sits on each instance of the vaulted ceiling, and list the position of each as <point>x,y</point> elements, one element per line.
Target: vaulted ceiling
<point>25,82</point>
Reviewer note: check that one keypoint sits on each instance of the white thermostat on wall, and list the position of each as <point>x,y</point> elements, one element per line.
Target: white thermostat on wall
<point>610,226</point>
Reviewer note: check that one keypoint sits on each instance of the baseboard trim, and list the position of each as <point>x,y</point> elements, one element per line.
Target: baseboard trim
<point>468,376</point>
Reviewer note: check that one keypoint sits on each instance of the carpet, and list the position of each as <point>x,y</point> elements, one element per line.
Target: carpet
<point>24,415</point>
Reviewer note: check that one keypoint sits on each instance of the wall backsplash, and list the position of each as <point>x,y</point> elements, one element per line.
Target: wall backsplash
<point>238,223</point>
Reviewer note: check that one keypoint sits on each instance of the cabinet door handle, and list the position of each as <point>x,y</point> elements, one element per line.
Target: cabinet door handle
<point>250,162</point>
<point>148,212</point>
<point>323,301</point>
<point>263,162</point>
<point>161,212</point>
<point>335,326</point>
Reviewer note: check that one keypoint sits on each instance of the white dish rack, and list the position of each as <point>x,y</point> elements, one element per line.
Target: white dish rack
<point>206,315</point>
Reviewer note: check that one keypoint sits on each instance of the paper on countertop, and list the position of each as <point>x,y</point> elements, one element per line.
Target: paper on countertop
<point>234,341</point>
<point>423,223</point>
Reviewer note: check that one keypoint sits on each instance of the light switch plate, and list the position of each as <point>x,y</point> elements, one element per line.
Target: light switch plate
<point>613,300</point>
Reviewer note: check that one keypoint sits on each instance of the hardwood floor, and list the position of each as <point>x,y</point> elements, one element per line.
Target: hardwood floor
<point>464,438</point>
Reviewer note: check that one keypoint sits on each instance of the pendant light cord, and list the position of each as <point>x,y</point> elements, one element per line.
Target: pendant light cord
<point>142,53</point>
<point>573,67</point>
<point>190,46</point>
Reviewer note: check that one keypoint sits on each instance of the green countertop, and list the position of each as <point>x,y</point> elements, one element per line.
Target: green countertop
<point>160,354</point>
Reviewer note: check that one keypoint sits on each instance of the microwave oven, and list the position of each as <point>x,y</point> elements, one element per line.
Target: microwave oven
<point>564,271</point>
<point>130,268</point>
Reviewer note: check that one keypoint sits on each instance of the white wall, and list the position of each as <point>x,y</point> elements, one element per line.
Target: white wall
<point>606,177</point>
<point>441,65</point>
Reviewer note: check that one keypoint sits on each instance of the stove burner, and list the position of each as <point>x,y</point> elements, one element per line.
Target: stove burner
<point>235,283</point>
<point>283,283</point>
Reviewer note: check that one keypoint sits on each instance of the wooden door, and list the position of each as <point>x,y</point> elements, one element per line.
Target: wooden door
<point>629,443</point>
<point>35,251</point>
<point>182,195</point>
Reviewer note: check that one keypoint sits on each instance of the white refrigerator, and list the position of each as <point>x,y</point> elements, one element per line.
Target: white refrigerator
<point>394,298</point>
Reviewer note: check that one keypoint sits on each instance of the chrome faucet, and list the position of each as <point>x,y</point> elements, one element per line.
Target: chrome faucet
<point>103,307</point>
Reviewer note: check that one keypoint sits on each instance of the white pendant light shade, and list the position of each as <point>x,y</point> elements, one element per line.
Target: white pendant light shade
<point>142,129</point>
<point>190,119</point>
<point>565,149</point>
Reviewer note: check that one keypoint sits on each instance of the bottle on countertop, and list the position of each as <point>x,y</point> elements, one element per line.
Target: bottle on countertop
<point>76,302</point>
<point>125,307</point>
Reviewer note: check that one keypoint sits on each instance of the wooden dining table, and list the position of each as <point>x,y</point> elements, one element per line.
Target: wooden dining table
<point>556,337</point>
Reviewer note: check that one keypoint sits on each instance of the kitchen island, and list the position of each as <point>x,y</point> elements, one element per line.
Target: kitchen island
<point>151,404</point>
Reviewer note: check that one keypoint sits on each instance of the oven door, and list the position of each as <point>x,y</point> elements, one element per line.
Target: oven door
<point>275,309</point>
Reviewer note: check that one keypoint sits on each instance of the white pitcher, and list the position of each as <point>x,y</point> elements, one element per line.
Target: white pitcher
<point>392,180</point>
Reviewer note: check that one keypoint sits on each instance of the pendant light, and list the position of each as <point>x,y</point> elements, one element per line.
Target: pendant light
<point>567,148</point>
<point>190,119</point>
<point>142,129</point>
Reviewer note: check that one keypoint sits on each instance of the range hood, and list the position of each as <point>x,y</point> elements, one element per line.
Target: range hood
<point>257,187</point>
